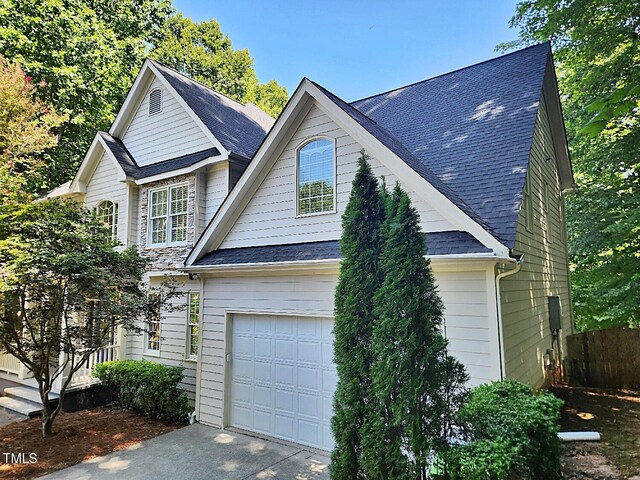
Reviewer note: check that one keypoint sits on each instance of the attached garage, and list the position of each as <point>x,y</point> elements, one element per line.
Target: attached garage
<point>282,377</point>
<point>266,362</point>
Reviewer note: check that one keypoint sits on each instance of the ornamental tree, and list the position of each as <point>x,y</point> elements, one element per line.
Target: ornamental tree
<point>65,289</point>
<point>416,386</point>
<point>354,316</point>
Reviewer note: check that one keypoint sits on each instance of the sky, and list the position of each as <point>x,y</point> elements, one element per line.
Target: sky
<point>357,48</point>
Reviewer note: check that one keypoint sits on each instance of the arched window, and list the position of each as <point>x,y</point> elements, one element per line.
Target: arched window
<point>155,101</point>
<point>316,177</point>
<point>107,211</point>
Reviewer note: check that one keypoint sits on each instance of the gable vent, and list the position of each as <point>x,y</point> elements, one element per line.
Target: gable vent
<point>155,101</point>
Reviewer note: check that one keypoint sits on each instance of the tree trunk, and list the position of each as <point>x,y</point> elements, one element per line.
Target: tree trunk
<point>47,419</point>
<point>47,425</point>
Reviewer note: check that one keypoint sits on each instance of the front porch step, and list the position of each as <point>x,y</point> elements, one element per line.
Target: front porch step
<point>27,393</point>
<point>23,407</point>
<point>24,400</point>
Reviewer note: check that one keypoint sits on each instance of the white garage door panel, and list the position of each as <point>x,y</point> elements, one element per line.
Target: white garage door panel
<point>283,377</point>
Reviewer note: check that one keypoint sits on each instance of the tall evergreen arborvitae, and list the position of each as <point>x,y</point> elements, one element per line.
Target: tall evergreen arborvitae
<point>414,382</point>
<point>359,280</point>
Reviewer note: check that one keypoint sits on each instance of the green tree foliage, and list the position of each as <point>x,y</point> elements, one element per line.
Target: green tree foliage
<point>26,125</point>
<point>359,279</point>
<point>87,54</point>
<point>416,385</point>
<point>201,51</point>
<point>83,57</point>
<point>597,51</point>
<point>65,289</point>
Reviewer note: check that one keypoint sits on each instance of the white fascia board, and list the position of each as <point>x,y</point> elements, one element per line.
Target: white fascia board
<point>405,173</point>
<point>183,171</point>
<point>132,101</point>
<point>121,175</point>
<point>89,164</point>
<point>187,108</point>
<point>252,177</point>
<point>333,263</point>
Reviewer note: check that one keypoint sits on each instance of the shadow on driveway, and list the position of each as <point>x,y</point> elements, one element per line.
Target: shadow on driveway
<point>201,452</point>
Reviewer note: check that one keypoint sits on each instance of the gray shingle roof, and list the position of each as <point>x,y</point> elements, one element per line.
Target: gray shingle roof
<point>132,169</point>
<point>473,128</point>
<point>438,243</point>
<point>239,128</point>
<point>401,151</point>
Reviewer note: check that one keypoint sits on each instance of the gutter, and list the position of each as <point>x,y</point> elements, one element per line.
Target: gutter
<point>518,266</point>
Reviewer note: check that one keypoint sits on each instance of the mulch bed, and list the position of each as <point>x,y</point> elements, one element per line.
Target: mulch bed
<point>77,436</point>
<point>613,413</point>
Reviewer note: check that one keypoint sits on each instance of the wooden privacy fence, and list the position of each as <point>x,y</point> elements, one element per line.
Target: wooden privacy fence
<point>605,358</point>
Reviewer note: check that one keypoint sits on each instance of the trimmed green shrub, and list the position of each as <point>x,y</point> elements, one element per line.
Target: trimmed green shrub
<point>146,387</point>
<point>512,433</point>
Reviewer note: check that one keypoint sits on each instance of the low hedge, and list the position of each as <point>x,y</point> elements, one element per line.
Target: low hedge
<point>146,387</point>
<point>512,435</point>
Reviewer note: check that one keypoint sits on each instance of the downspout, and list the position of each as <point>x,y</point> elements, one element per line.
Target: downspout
<point>518,261</point>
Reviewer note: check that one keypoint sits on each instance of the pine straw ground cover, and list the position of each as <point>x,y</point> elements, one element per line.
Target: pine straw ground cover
<point>77,436</point>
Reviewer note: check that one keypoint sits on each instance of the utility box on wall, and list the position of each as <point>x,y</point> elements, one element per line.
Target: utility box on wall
<point>555,313</point>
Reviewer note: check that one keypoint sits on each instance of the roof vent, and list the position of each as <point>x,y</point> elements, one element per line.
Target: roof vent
<point>155,101</point>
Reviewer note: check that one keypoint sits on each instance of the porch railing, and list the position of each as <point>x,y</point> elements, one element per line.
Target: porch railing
<point>104,354</point>
<point>9,364</point>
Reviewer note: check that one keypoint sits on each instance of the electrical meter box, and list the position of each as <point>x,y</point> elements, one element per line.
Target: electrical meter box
<point>555,313</point>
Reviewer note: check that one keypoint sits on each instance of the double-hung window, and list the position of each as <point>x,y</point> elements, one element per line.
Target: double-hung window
<point>168,215</point>
<point>193,324</point>
<point>152,343</point>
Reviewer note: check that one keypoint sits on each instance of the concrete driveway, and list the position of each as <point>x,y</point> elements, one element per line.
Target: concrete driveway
<point>200,452</point>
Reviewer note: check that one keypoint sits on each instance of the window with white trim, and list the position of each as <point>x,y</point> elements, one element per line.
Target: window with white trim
<point>316,177</point>
<point>107,212</point>
<point>168,215</point>
<point>152,343</point>
<point>193,324</point>
<point>155,101</point>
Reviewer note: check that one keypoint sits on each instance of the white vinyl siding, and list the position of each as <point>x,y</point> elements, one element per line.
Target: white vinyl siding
<point>170,133</point>
<point>174,337</point>
<point>270,216</point>
<point>217,188</point>
<point>104,185</point>
<point>470,325</point>
<point>544,272</point>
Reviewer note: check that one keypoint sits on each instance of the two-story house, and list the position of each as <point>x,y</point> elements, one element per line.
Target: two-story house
<point>221,195</point>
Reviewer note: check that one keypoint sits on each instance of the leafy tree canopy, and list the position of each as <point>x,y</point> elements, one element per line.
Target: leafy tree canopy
<point>86,54</point>
<point>597,51</point>
<point>25,132</point>
<point>201,51</point>
<point>65,289</point>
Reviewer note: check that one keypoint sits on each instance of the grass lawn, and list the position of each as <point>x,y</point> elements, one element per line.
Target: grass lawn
<point>77,436</point>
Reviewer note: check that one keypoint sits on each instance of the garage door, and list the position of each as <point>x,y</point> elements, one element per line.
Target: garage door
<point>283,377</point>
